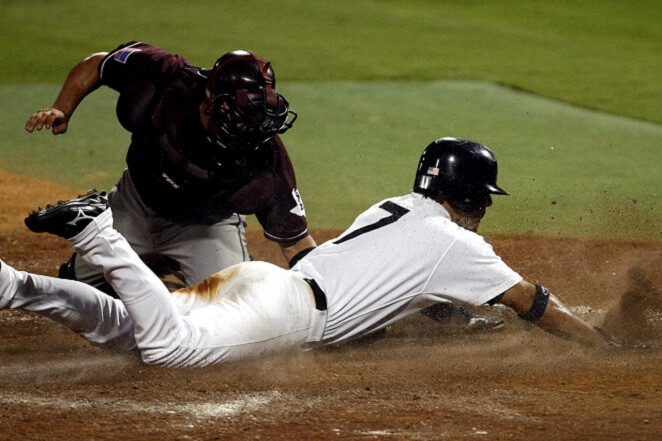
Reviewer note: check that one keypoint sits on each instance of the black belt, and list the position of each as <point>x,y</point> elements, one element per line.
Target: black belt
<point>320,297</point>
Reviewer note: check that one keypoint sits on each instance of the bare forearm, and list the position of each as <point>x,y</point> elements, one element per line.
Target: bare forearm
<point>82,79</point>
<point>559,321</point>
<point>553,317</point>
<point>291,250</point>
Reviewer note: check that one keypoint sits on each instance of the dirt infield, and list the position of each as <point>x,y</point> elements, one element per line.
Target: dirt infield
<point>417,382</point>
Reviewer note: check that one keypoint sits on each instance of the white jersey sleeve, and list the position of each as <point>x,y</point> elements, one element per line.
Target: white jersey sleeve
<point>471,272</point>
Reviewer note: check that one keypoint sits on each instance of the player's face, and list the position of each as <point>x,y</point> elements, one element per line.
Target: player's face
<point>206,113</point>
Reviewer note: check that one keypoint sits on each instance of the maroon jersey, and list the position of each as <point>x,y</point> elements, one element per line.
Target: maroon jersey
<point>177,171</point>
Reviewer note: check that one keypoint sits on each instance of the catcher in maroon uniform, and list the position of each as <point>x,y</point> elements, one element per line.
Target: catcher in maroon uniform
<point>205,151</point>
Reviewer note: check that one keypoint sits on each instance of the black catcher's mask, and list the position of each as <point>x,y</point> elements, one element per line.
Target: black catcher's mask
<point>245,110</point>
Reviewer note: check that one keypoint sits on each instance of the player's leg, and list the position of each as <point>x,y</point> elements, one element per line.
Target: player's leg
<point>255,307</point>
<point>131,218</point>
<point>90,313</point>
<point>87,223</point>
<point>267,311</point>
<point>159,329</point>
<point>202,249</point>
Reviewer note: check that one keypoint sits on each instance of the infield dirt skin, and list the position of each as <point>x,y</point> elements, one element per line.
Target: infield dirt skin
<point>417,381</point>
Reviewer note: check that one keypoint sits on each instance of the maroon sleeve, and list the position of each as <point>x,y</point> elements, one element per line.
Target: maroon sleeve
<point>136,61</point>
<point>283,216</point>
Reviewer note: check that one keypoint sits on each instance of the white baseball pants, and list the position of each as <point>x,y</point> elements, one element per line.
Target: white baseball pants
<point>247,310</point>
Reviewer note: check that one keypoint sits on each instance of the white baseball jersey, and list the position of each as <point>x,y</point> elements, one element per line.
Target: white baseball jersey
<point>398,257</point>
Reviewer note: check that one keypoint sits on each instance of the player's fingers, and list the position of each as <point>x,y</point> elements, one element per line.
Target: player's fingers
<point>40,124</point>
<point>36,120</point>
<point>50,120</point>
<point>47,118</point>
<point>32,123</point>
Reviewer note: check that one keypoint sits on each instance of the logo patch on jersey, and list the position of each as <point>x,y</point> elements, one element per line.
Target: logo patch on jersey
<point>298,209</point>
<point>122,55</point>
<point>434,171</point>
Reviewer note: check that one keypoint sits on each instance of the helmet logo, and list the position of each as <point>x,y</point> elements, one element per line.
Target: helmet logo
<point>434,171</point>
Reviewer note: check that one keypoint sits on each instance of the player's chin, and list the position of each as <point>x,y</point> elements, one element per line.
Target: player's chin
<point>474,226</point>
<point>471,221</point>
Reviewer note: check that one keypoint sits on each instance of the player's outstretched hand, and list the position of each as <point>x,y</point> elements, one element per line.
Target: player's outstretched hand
<point>50,119</point>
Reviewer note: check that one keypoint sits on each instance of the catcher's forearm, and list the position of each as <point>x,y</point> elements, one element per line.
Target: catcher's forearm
<point>81,81</point>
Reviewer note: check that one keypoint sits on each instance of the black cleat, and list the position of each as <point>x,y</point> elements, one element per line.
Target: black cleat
<point>68,218</point>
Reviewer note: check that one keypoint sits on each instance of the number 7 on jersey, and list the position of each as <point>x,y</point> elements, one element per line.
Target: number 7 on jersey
<point>396,213</point>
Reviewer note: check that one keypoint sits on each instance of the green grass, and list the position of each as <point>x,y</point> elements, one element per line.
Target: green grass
<point>602,54</point>
<point>374,82</point>
<point>570,171</point>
